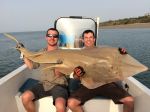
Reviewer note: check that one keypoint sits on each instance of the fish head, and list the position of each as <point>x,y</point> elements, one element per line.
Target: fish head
<point>19,46</point>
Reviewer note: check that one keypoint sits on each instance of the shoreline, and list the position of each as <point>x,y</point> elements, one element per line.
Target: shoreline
<point>135,25</point>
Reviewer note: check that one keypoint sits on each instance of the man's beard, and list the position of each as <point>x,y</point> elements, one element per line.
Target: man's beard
<point>55,44</point>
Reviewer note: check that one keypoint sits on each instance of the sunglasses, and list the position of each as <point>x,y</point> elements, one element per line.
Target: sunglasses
<point>50,36</point>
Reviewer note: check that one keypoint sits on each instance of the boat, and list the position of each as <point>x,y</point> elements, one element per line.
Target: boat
<point>70,29</point>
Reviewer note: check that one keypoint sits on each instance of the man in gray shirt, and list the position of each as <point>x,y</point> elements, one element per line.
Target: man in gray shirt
<point>53,83</point>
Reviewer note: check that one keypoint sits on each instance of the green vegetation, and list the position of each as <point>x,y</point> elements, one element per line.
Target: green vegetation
<point>140,19</point>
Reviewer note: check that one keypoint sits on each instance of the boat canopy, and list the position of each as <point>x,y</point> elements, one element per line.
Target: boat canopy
<point>71,29</point>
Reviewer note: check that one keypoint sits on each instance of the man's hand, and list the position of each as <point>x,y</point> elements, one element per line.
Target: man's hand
<point>57,72</point>
<point>79,71</point>
<point>122,51</point>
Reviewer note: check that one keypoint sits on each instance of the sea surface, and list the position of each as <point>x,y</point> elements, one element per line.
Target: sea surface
<point>136,41</point>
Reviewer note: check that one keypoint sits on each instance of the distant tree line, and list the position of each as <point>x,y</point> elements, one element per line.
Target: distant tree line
<point>140,19</point>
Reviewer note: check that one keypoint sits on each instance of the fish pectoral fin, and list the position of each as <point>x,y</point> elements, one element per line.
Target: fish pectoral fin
<point>48,67</point>
<point>35,55</point>
<point>55,66</point>
<point>56,62</point>
<point>60,66</point>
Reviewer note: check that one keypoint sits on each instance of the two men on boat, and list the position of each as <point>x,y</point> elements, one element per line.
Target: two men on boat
<point>110,90</point>
<point>55,83</point>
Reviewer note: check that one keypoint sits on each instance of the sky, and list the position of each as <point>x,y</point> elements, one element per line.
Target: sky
<point>39,15</point>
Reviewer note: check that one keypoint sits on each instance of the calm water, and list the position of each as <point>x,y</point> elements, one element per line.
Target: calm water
<point>9,57</point>
<point>136,41</point>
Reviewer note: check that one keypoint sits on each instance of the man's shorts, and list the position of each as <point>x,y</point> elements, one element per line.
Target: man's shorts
<point>111,91</point>
<point>55,92</point>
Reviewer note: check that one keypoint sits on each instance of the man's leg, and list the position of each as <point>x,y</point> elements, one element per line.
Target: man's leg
<point>79,97</point>
<point>60,104</point>
<point>29,96</point>
<point>128,104</point>
<point>119,95</point>
<point>60,96</point>
<point>27,100</point>
<point>74,105</point>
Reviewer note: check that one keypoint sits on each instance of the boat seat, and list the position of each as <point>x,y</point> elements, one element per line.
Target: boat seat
<point>94,105</point>
<point>42,105</point>
<point>98,104</point>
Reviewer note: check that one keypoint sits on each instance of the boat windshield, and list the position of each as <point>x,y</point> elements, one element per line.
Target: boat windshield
<point>71,29</point>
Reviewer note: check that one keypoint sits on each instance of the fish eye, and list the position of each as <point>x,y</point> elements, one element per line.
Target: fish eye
<point>19,45</point>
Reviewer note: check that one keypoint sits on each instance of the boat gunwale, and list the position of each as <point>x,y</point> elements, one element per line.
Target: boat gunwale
<point>12,74</point>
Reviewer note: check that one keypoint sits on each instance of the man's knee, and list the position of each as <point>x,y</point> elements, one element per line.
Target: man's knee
<point>27,96</point>
<point>60,104</point>
<point>128,99</point>
<point>72,103</point>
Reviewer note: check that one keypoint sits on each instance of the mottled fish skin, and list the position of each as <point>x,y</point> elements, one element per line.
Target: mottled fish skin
<point>101,64</point>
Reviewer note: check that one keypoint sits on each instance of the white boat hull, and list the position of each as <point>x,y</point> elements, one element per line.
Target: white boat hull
<point>10,84</point>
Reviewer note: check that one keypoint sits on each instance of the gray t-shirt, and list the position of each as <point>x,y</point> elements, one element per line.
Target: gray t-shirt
<point>48,77</point>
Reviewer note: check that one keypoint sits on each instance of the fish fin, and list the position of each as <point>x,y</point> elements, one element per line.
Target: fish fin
<point>11,37</point>
<point>55,66</point>
<point>36,55</point>
<point>49,67</point>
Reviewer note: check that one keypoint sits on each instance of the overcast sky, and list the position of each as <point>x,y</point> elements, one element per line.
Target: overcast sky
<point>37,15</point>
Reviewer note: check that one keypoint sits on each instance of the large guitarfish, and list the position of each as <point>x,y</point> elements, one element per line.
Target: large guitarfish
<point>101,64</point>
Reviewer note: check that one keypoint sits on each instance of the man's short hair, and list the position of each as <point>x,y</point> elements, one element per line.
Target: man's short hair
<point>88,31</point>
<point>54,29</point>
